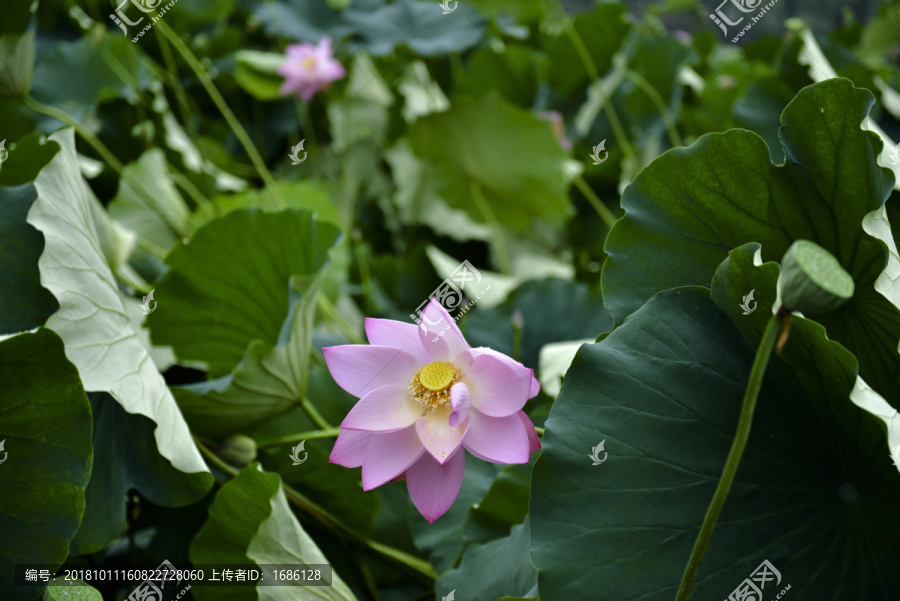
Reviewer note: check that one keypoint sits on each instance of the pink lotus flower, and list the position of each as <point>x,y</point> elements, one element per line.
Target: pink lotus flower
<point>309,69</point>
<point>424,397</point>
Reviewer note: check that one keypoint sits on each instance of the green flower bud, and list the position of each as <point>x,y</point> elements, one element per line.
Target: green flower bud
<point>812,281</point>
<point>238,450</point>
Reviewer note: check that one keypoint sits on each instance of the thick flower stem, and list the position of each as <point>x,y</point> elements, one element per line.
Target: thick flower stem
<point>223,107</point>
<point>605,214</point>
<point>296,438</point>
<point>757,372</point>
<point>419,568</point>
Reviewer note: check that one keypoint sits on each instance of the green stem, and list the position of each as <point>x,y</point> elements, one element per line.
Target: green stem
<point>365,276</point>
<point>594,74</point>
<point>605,214</point>
<point>296,438</point>
<point>540,431</point>
<point>421,568</point>
<point>758,371</point>
<point>314,414</point>
<point>223,107</point>
<point>496,233</point>
<point>185,108</point>
<point>657,100</point>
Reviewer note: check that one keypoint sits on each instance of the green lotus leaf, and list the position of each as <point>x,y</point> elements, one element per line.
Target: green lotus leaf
<point>692,205</point>
<point>45,461</point>
<point>507,151</point>
<point>663,390</point>
<point>92,318</point>
<point>495,569</point>
<point>250,523</point>
<point>228,285</point>
<point>24,304</point>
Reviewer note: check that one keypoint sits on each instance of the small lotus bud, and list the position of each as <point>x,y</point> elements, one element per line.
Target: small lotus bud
<point>812,281</point>
<point>238,450</point>
<point>517,320</point>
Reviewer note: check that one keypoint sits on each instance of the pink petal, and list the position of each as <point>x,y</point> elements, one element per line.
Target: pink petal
<point>497,439</point>
<point>461,400</point>
<point>441,337</point>
<point>389,455</point>
<point>499,385</point>
<point>433,487</point>
<point>439,437</point>
<point>387,332</point>
<point>534,441</point>
<point>385,409</point>
<point>359,369</point>
<point>350,448</point>
<point>535,385</point>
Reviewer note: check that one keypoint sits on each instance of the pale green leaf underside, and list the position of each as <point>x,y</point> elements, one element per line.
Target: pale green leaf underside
<point>100,337</point>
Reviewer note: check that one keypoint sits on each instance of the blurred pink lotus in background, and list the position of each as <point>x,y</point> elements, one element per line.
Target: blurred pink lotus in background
<point>309,69</point>
<point>424,397</point>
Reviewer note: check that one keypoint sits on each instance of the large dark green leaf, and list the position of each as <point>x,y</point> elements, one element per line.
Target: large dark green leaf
<point>125,458</point>
<point>580,312</point>
<point>229,284</point>
<point>815,485</point>
<point>509,152</point>
<point>24,304</point>
<point>691,206</point>
<point>46,455</point>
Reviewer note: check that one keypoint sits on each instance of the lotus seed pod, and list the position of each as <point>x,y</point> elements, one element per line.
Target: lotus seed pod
<point>812,281</point>
<point>238,450</point>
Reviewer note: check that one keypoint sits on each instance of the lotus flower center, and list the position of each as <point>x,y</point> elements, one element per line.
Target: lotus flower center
<point>430,387</point>
<point>309,62</point>
<point>436,376</point>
